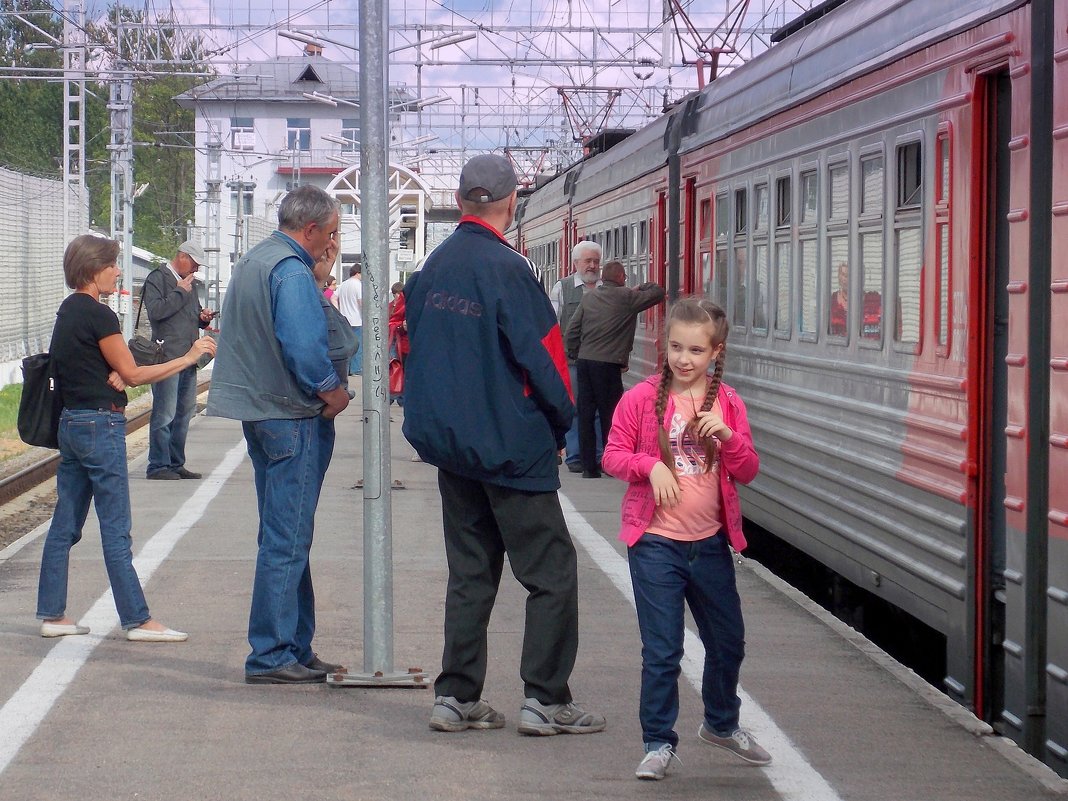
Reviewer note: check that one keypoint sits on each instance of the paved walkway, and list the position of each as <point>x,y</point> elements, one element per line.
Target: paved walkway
<point>97,718</point>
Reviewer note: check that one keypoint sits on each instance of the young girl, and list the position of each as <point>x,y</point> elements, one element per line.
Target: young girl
<point>681,438</point>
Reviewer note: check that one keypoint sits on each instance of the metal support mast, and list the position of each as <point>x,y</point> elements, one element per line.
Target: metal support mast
<point>212,203</point>
<point>75,197</point>
<point>121,149</point>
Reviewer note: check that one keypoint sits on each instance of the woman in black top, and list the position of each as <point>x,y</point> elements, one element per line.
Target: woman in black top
<point>93,367</point>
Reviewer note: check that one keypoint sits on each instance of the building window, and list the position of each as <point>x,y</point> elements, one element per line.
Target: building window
<point>298,133</point>
<point>246,209</point>
<point>242,133</point>
<point>350,132</point>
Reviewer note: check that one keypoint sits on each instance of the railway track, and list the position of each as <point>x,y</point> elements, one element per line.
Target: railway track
<point>26,479</point>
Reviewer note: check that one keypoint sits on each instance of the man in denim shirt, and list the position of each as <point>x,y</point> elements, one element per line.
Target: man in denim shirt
<point>272,372</point>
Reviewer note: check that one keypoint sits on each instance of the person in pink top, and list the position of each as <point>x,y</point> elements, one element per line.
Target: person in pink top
<point>681,439</point>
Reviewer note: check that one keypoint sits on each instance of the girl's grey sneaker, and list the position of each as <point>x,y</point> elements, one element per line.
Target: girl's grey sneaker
<point>742,744</point>
<point>452,715</point>
<point>546,719</point>
<point>655,764</point>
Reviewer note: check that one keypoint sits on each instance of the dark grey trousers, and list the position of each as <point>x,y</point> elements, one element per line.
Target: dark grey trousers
<point>482,523</point>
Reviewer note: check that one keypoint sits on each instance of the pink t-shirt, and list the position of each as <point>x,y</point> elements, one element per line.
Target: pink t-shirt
<point>697,515</point>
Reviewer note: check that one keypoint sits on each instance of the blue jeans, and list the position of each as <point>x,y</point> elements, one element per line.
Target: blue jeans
<point>356,362</point>
<point>666,574</point>
<point>572,452</point>
<point>289,460</point>
<point>174,400</point>
<point>92,467</point>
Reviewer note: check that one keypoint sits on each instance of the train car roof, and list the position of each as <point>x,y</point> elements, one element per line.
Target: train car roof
<point>853,39</point>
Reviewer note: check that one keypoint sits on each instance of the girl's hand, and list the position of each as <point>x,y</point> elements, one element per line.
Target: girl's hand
<point>665,485</point>
<point>710,424</point>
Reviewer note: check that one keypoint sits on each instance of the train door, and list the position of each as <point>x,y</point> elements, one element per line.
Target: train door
<point>660,239</point>
<point>688,282</point>
<point>993,131</point>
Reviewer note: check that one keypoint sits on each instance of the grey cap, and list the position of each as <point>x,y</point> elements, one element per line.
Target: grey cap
<point>487,178</point>
<point>193,251</point>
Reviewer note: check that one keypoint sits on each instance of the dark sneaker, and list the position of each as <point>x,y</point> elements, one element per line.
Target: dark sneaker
<point>546,719</point>
<point>163,475</point>
<point>742,744</point>
<point>452,715</point>
<point>654,765</point>
<point>574,467</point>
<point>183,473</point>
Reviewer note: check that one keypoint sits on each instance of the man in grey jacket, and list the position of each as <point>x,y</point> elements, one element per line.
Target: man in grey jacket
<point>600,337</point>
<point>169,297</point>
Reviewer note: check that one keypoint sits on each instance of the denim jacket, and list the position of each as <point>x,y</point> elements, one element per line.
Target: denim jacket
<point>632,451</point>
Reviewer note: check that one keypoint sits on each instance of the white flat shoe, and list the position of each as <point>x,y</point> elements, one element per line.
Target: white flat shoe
<point>147,635</point>
<point>61,629</point>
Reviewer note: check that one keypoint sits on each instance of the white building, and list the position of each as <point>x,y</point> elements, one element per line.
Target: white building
<point>271,134</point>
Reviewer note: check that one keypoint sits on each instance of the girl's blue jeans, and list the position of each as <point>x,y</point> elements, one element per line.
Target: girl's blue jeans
<point>667,574</point>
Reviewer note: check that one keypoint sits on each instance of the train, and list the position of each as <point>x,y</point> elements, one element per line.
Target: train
<point>876,201</point>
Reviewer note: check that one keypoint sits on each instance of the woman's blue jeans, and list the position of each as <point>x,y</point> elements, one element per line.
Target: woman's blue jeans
<point>289,460</point>
<point>92,467</point>
<point>666,575</point>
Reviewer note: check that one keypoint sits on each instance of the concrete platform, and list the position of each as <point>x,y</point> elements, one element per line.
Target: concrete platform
<point>97,718</point>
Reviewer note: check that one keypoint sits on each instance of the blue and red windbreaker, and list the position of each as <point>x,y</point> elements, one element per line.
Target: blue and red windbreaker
<point>486,394</point>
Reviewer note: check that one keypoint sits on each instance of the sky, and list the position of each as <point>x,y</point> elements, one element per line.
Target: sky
<point>502,84</point>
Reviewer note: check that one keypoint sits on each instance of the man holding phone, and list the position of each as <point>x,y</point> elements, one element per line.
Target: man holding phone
<point>169,297</point>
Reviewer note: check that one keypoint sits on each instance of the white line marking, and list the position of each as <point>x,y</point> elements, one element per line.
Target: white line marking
<point>24,711</point>
<point>789,773</point>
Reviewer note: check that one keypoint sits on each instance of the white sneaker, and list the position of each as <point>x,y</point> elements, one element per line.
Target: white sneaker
<point>654,764</point>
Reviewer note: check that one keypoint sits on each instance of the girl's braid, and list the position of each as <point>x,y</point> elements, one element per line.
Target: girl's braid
<point>661,406</point>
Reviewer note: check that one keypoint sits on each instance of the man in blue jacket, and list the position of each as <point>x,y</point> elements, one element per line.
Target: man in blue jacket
<point>488,401</point>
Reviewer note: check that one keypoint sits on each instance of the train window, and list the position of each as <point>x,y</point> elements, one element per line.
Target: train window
<point>624,240</point>
<point>871,276</point>
<point>721,215</point>
<point>760,286</point>
<point>871,176</point>
<point>741,286</point>
<point>741,212</point>
<point>706,219</point>
<point>838,252</point>
<point>782,278</point>
<point>760,207</point>
<point>943,284</point>
<point>909,175</point>
<point>783,202</point>
<point>838,184</point>
<point>706,274</point>
<point>719,278</point>
<point>808,312</point>
<point>809,194</point>
<point>942,154</point>
<point>909,250</point>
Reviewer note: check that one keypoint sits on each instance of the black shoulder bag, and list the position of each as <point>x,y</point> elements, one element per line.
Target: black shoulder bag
<point>40,405</point>
<point>145,351</point>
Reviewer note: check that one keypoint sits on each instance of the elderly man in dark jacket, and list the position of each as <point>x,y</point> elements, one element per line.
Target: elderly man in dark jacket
<point>487,401</point>
<point>600,336</point>
<point>169,297</point>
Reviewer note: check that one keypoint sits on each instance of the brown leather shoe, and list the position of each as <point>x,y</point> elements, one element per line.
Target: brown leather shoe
<point>327,667</point>
<point>183,473</point>
<point>294,674</point>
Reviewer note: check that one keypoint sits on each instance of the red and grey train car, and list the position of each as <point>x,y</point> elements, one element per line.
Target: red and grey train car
<point>876,201</point>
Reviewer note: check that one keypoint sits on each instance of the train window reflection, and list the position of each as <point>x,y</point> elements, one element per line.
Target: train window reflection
<point>760,286</point>
<point>809,190</point>
<point>838,301</point>
<point>943,284</point>
<point>871,176</point>
<point>741,212</point>
<point>782,278</point>
<point>741,286</point>
<point>909,175</point>
<point>783,202</point>
<point>839,189</point>
<point>807,307</point>
<point>909,268</point>
<point>760,202</point>
<point>721,215</point>
<point>871,276</point>
<point>706,275</point>
<point>719,278</point>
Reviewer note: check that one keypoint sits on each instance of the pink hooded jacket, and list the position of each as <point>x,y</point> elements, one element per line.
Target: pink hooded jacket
<point>632,451</point>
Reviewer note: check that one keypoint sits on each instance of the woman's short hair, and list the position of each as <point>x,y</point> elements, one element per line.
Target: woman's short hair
<point>85,256</point>
<point>397,287</point>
